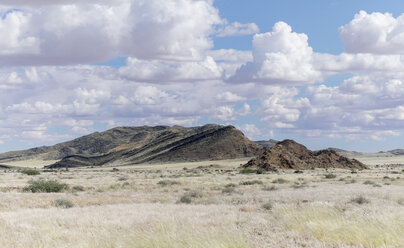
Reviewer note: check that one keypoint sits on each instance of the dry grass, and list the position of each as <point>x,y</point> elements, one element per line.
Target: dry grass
<point>140,206</point>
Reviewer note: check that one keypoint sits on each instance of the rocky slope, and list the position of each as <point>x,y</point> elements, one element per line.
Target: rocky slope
<point>290,155</point>
<point>131,145</point>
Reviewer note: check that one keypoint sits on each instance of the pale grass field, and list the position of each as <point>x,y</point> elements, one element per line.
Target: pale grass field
<point>143,206</point>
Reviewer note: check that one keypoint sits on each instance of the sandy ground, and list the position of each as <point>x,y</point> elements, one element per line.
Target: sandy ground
<point>199,205</point>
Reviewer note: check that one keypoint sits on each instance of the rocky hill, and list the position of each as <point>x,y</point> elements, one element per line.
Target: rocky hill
<point>288,154</point>
<point>131,145</point>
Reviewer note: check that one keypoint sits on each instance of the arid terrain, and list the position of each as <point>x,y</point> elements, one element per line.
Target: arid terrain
<point>204,204</point>
<point>277,194</point>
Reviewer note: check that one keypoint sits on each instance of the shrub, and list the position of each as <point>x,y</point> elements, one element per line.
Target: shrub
<point>267,206</point>
<point>330,176</point>
<point>251,171</point>
<point>269,188</point>
<point>401,201</point>
<point>280,181</point>
<point>45,186</point>
<point>122,179</point>
<point>30,172</point>
<point>188,196</point>
<point>251,182</point>
<point>228,190</point>
<point>368,182</point>
<point>78,188</point>
<point>63,203</point>
<point>360,200</point>
<point>164,183</point>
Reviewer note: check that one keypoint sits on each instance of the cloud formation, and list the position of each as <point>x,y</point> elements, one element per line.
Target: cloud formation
<point>280,57</point>
<point>375,33</point>
<point>83,32</point>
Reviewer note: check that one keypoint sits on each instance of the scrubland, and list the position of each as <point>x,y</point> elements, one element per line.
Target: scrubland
<point>205,204</point>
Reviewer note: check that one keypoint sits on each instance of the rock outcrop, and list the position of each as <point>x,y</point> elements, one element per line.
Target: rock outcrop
<point>288,154</point>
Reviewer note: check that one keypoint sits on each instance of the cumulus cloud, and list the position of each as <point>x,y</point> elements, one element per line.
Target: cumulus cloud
<point>229,97</point>
<point>159,71</point>
<point>237,28</point>
<point>89,32</point>
<point>280,57</point>
<point>376,33</point>
<point>250,130</point>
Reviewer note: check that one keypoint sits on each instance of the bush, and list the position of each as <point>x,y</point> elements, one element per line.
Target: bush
<point>30,172</point>
<point>280,181</point>
<point>45,186</point>
<point>360,200</point>
<point>164,183</point>
<point>251,182</point>
<point>63,203</point>
<point>330,176</point>
<point>269,188</point>
<point>188,197</point>
<point>78,188</point>
<point>368,182</point>
<point>228,190</point>
<point>252,171</point>
<point>267,206</point>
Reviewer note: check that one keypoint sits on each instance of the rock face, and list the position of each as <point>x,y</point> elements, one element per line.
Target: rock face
<point>288,154</point>
<point>162,145</point>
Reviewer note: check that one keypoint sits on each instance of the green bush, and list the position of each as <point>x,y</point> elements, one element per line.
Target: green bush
<point>249,171</point>
<point>228,190</point>
<point>267,206</point>
<point>330,176</point>
<point>368,182</point>
<point>45,186</point>
<point>269,188</point>
<point>189,196</point>
<point>251,182</point>
<point>30,172</point>
<point>360,200</point>
<point>164,183</point>
<point>78,188</point>
<point>280,181</point>
<point>63,203</point>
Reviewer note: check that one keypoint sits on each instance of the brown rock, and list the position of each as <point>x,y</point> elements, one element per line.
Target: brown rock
<point>288,154</point>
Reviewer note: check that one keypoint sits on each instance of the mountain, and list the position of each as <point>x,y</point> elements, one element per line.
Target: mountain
<point>266,143</point>
<point>289,154</point>
<point>397,152</point>
<point>132,145</point>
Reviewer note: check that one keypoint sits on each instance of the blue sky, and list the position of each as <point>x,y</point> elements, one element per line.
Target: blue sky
<point>325,73</point>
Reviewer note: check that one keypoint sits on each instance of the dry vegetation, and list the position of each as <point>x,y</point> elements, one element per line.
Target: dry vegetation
<point>203,205</point>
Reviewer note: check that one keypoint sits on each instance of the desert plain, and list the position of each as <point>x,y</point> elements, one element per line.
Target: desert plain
<point>213,204</point>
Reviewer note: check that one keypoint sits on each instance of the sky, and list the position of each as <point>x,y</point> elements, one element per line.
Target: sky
<point>324,73</point>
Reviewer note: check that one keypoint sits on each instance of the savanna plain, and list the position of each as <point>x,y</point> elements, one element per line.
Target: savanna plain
<point>214,204</point>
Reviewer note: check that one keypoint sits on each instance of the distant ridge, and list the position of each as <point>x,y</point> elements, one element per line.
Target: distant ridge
<point>266,143</point>
<point>289,154</point>
<point>132,145</point>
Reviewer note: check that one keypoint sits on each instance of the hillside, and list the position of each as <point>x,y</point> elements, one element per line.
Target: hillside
<point>290,155</point>
<point>131,145</point>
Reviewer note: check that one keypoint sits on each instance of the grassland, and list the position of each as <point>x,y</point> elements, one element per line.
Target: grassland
<point>204,204</point>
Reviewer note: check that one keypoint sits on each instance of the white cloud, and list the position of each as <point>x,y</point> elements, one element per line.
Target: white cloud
<point>231,55</point>
<point>236,28</point>
<point>224,113</point>
<point>229,97</point>
<point>280,57</point>
<point>93,31</point>
<point>159,71</point>
<point>250,130</point>
<point>16,34</point>
<point>374,33</point>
